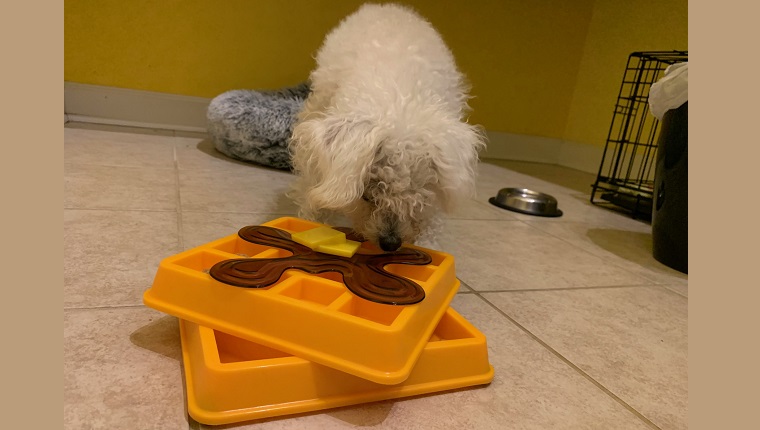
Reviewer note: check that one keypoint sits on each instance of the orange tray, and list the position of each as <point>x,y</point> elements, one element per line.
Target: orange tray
<point>313,317</point>
<point>230,380</point>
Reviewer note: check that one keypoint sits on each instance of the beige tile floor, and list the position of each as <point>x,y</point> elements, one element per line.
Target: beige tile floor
<point>585,329</point>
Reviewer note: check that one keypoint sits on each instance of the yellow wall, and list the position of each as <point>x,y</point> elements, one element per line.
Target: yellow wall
<point>618,28</point>
<point>521,56</point>
<point>194,47</point>
<point>538,67</point>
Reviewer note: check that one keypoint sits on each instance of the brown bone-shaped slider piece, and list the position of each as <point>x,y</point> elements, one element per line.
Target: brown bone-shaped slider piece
<point>364,273</point>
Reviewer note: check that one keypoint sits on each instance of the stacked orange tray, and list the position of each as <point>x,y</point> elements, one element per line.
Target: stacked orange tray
<point>324,345</point>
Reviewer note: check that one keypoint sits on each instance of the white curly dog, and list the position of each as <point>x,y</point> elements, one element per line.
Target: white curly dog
<point>382,138</point>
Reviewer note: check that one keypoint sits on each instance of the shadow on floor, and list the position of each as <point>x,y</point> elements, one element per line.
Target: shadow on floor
<point>632,246</point>
<point>160,336</point>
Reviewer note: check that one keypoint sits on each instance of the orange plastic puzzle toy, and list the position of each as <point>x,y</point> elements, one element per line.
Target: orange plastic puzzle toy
<point>271,324</point>
<point>313,316</point>
<point>232,380</point>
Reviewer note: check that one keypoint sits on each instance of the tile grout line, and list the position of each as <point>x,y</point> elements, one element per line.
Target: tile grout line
<point>71,208</point>
<point>92,308</point>
<point>74,208</point>
<point>594,287</point>
<point>571,364</point>
<point>284,214</point>
<point>469,288</point>
<point>482,219</point>
<point>180,231</point>
<point>118,166</point>
<point>665,286</point>
<point>181,242</point>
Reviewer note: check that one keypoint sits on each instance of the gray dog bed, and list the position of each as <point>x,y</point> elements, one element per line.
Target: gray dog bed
<point>255,126</point>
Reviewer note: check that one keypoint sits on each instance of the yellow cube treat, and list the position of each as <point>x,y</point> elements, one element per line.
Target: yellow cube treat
<point>345,249</point>
<point>319,236</point>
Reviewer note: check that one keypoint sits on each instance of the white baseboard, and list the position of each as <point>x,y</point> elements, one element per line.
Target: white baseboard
<point>135,108</point>
<point>118,106</point>
<point>580,156</point>
<point>520,147</point>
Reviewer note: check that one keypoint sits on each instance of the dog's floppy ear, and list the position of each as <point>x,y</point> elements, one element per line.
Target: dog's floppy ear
<point>335,153</point>
<point>455,160</point>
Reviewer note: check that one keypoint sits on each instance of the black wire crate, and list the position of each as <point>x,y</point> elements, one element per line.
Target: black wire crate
<point>625,180</point>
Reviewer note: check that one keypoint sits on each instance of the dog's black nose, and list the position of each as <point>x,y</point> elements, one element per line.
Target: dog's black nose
<point>390,243</point>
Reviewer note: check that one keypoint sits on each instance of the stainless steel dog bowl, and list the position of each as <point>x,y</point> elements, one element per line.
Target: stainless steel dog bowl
<point>526,201</point>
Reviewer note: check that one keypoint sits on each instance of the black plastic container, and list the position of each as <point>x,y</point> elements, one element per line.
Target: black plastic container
<point>670,212</point>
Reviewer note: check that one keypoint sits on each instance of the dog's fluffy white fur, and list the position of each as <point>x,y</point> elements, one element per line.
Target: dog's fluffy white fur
<point>383,137</point>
